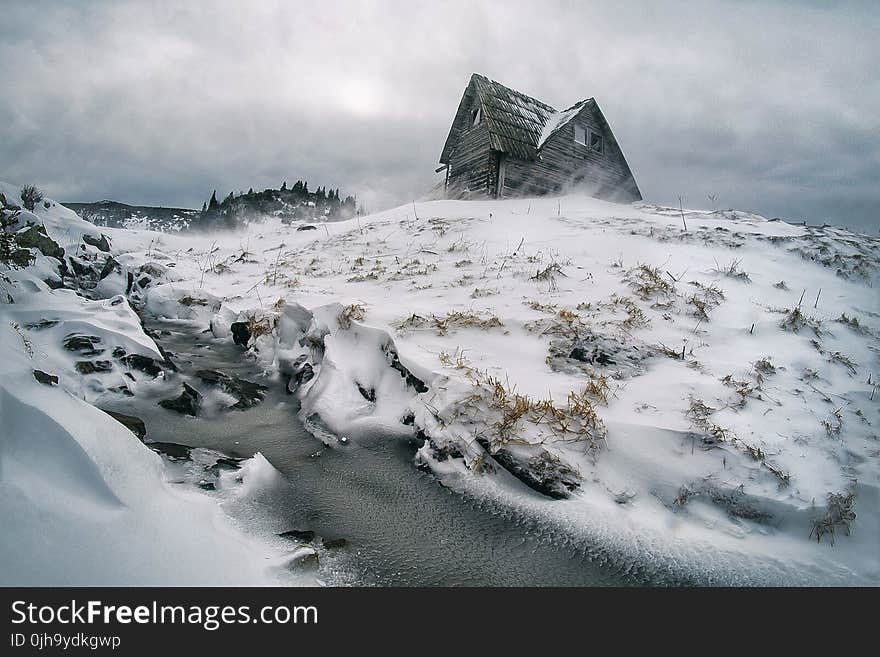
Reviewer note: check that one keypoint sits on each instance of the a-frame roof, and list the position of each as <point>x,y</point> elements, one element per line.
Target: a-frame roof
<point>518,124</point>
<point>515,120</point>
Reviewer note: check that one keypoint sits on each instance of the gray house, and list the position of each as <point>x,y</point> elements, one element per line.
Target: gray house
<point>503,144</point>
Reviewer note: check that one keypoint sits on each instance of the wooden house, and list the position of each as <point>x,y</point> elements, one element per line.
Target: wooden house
<point>503,144</point>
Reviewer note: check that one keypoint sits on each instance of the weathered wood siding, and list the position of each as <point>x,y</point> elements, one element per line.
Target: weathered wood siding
<point>565,164</point>
<point>472,164</point>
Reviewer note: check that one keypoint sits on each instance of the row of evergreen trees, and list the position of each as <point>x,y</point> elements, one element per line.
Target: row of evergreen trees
<point>290,203</point>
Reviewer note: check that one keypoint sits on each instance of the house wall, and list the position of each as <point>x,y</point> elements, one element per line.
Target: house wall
<point>472,165</point>
<point>566,164</point>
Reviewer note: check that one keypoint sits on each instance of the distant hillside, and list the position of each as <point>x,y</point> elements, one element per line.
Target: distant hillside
<point>120,215</point>
<point>291,204</point>
<point>295,203</point>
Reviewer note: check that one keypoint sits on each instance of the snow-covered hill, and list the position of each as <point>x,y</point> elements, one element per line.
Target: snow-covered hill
<point>119,215</point>
<point>698,402</point>
<point>82,500</point>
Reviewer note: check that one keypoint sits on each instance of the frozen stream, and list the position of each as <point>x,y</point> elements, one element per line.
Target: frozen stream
<point>402,526</point>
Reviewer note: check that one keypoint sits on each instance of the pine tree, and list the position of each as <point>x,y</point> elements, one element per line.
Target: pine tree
<point>204,207</point>
<point>284,186</point>
<point>213,204</point>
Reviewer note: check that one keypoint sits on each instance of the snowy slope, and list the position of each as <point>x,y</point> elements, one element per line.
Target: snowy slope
<point>82,500</point>
<point>684,392</point>
<point>699,402</point>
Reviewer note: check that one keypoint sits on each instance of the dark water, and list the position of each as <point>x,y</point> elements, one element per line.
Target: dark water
<point>403,527</point>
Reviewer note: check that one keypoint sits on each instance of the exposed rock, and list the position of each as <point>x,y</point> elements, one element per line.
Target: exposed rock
<point>368,394</point>
<point>304,535</point>
<point>45,378</point>
<point>121,390</point>
<point>83,344</point>
<point>174,451</point>
<point>591,354</point>
<point>42,324</point>
<point>188,403</point>
<point>333,543</point>
<point>225,463</point>
<point>35,237</point>
<point>167,362</point>
<point>307,227</point>
<point>80,268</point>
<point>143,364</point>
<point>241,334</point>
<point>101,244</point>
<point>207,485</point>
<point>442,452</point>
<point>130,422</point>
<point>109,267</point>
<point>19,258</point>
<point>544,472</point>
<point>411,379</point>
<point>93,366</point>
<point>248,393</point>
<point>302,372</point>
<point>153,270</point>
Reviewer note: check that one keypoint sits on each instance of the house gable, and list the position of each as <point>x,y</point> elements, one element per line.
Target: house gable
<point>462,121</point>
<point>513,119</point>
<point>604,168</point>
<point>506,143</point>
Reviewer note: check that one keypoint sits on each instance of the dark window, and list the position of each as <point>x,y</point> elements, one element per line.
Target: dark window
<point>476,117</point>
<point>596,142</point>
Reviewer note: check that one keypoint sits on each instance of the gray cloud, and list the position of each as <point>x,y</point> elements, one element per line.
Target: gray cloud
<point>773,106</point>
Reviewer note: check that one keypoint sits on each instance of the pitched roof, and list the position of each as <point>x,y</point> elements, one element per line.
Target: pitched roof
<point>558,120</point>
<point>518,124</point>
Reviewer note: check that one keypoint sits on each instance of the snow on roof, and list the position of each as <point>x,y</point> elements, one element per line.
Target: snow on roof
<point>517,123</point>
<point>557,120</point>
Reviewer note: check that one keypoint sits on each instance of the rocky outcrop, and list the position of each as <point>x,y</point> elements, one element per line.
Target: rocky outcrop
<point>188,403</point>
<point>35,237</point>
<point>248,393</point>
<point>130,422</point>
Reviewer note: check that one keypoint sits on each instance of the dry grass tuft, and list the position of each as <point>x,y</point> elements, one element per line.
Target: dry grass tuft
<point>549,308</point>
<point>575,422</point>
<point>842,359</point>
<point>732,270</point>
<point>648,282</point>
<point>840,513</point>
<point>834,423</point>
<point>795,319</point>
<point>635,316</point>
<point>351,313</point>
<point>854,324</point>
<point>451,321</point>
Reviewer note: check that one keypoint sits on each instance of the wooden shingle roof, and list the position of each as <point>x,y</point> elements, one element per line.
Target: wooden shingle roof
<point>515,121</point>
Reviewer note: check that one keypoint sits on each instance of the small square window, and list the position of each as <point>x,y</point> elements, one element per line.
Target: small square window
<point>596,143</point>
<point>580,135</point>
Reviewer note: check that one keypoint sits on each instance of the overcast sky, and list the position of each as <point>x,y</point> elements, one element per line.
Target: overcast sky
<point>772,106</point>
